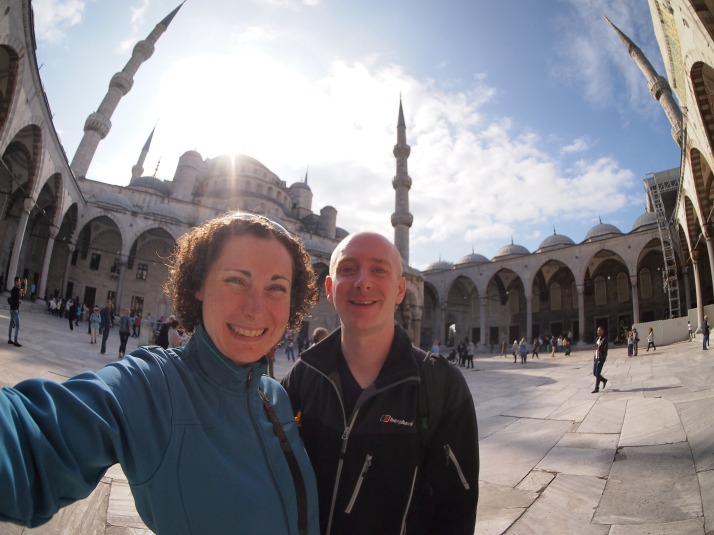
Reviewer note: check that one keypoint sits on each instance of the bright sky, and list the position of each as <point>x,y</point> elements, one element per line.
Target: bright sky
<point>523,116</point>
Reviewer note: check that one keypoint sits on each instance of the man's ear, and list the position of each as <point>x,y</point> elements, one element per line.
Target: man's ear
<point>401,289</point>
<point>328,289</point>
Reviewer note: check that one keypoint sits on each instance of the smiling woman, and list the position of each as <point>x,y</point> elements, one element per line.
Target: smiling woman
<point>193,427</point>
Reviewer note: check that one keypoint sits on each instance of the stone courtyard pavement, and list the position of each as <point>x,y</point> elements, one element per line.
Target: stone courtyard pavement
<point>636,458</point>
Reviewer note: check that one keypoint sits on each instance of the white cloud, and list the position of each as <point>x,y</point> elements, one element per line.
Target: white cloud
<point>578,145</point>
<point>53,17</point>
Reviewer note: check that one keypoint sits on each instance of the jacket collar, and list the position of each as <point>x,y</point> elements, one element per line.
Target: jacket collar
<point>399,365</point>
<point>218,368</point>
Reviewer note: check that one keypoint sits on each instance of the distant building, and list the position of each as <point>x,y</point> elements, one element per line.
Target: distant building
<point>70,235</point>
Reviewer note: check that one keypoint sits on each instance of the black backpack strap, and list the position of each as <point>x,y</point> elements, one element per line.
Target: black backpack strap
<point>431,394</point>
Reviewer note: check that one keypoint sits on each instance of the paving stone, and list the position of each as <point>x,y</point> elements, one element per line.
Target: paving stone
<point>500,506</point>
<point>696,417</point>
<point>706,486</point>
<point>688,527</point>
<point>651,484</point>
<point>606,416</point>
<point>566,506</point>
<point>651,421</point>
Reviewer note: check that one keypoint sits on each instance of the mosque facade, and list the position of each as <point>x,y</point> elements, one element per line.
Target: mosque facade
<point>74,236</point>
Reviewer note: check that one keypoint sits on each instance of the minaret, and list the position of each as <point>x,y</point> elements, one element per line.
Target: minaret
<point>401,218</point>
<point>138,169</point>
<point>98,124</point>
<point>659,86</point>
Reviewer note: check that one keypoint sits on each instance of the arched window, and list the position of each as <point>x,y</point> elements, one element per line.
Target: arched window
<point>556,296</point>
<point>623,288</point>
<point>600,291</point>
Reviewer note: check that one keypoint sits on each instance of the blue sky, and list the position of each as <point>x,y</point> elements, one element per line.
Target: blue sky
<point>524,116</point>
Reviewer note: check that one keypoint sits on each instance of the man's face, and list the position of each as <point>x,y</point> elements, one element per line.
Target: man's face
<point>366,284</point>
<point>600,331</point>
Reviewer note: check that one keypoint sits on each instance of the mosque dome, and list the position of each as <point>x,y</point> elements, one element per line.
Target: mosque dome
<point>152,183</point>
<point>645,221</point>
<point>511,250</point>
<point>555,241</point>
<point>473,258</point>
<point>299,185</point>
<point>165,211</point>
<point>440,264</point>
<point>115,200</point>
<point>602,231</point>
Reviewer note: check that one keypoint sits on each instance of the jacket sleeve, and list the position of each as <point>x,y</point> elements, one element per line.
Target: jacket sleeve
<point>58,440</point>
<point>452,465</point>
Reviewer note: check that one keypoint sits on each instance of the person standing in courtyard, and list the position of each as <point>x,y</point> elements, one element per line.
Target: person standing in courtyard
<point>705,333</point>
<point>503,348</point>
<point>600,358</point>
<point>536,343</point>
<point>107,322</point>
<point>650,340</point>
<point>14,302</point>
<point>124,330</point>
<point>689,330</point>
<point>95,320</point>
<point>523,350</point>
<point>384,465</point>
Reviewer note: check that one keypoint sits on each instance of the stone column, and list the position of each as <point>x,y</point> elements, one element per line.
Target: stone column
<point>19,236</point>
<point>120,283</point>
<point>635,301</point>
<point>581,312</point>
<point>63,289</point>
<point>46,262</point>
<point>529,318</point>
<point>707,231</point>
<point>482,310</point>
<point>697,287</point>
<point>687,290</point>
<point>416,328</point>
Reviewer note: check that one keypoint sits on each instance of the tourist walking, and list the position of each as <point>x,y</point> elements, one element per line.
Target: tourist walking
<point>107,322</point>
<point>636,341</point>
<point>14,302</point>
<point>523,349</point>
<point>503,349</point>
<point>705,333</point>
<point>124,331</point>
<point>650,340</point>
<point>599,360</point>
<point>689,329</point>
<point>94,320</point>
<point>515,349</point>
<point>536,343</point>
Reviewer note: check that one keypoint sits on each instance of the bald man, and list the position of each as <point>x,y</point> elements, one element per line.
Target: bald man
<point>356,397</point>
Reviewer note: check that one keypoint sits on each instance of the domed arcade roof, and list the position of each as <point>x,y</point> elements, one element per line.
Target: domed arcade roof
<point>440,264</point>
<point>116,200</point>
<point>555,241</point>
<point>152,183</point>
<point>166,211</point>
<point>473,258</point>
<point>602,231</point>
<point>646,220</point>
<point>511,249</point>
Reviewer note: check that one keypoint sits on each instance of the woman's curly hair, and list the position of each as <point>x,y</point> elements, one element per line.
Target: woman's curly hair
<point>196,251</point>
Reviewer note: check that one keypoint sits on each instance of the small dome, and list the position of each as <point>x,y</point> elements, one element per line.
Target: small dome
<point>166,211</point>
<point>116,200</point>
<point>511,250</point>
<point>473,258</point>
<point>646,220</point>
<point>555,241</point>
<point>602,231</point>
<point>152,183</point>
<point>441,264</point>
<point>299,185</point>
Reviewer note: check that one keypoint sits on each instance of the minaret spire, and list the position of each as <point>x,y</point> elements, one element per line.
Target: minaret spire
<point>138,169</point>
<point>659,86</point>
<point>98,124</point>
<point>401,218</point>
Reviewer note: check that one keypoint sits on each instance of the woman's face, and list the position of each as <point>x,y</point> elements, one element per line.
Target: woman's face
<point>246,297</point>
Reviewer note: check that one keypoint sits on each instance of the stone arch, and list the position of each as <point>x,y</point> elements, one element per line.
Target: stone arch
<point>9,69</point>
<point>702,79</point>
<point>602,304</point>
<point>461,309</point>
